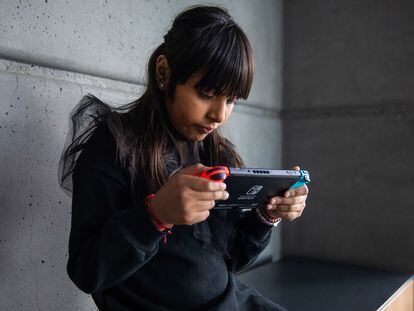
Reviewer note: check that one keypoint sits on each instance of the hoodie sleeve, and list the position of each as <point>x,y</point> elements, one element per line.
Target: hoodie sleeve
<point>248,238</point>
<point>110,237</point>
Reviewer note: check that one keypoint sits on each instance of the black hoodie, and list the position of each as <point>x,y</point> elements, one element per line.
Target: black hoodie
<point>117,255</point>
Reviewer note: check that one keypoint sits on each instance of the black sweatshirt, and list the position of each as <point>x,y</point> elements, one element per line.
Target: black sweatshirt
<point>117,255</point>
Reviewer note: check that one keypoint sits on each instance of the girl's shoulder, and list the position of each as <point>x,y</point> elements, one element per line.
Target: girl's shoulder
<point>99,150</point>
<point>90,143</point>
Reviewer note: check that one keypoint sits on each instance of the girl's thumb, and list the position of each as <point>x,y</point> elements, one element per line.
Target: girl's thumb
<point>194,169</point>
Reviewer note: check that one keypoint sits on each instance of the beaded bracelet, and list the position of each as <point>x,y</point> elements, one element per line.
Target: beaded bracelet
<point>158,223</point>
<point>266,218</point>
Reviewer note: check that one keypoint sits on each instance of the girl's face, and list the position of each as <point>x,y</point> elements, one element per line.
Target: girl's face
<point>191,110</point>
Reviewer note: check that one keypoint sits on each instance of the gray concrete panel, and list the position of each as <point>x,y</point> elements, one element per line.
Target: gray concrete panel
<point>340,53</point>
<point>360,206</point>
<point>114,39</point>
<point>35,212</point>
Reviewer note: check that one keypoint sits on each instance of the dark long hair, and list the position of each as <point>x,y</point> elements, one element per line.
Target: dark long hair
<point>202,40</point>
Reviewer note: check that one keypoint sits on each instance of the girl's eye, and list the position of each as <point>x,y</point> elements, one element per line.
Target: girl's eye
<point>206,96</point>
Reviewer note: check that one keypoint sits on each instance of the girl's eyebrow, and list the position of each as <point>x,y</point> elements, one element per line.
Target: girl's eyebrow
<point>229,97</point>
<point>213,90</point>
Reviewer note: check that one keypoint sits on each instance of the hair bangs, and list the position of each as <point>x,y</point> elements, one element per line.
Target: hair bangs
<point>227,64</point>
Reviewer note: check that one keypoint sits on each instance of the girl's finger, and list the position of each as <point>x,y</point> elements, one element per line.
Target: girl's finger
<point>289,201</point>
<point>296,192</point>
<point>286,215</point>
<point>289,208</point>
<point>200,184</point>
<point>210,196</point>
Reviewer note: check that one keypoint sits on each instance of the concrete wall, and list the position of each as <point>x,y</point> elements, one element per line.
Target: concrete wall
<point>53,52</point>
<point>348,118</point>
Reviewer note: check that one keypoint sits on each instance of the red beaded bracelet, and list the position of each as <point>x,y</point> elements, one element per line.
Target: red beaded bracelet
<point>158,223</point>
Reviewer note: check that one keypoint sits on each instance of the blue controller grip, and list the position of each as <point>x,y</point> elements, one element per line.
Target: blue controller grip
<point>303,180</point>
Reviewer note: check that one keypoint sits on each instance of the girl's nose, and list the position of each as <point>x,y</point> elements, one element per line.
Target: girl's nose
<point>218,111</point>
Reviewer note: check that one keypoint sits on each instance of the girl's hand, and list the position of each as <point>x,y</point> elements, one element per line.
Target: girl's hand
<point>187,199</point>
<point>289,206</point>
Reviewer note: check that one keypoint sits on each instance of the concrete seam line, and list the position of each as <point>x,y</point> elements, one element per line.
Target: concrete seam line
<point>51,62</point>
<point>257,110</point>
<point>9,66</point>
<point>19,68</point>
<point>394,108</point>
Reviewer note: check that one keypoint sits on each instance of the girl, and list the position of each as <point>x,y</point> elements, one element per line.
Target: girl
<point>143,234</point>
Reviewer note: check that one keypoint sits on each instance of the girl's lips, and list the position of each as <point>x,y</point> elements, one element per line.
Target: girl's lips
<point>205,129</point>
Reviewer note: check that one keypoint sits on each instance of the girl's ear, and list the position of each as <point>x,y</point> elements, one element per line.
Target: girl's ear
<point>162,70</point>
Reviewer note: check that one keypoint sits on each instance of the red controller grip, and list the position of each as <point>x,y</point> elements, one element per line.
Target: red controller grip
<point>215,173</point>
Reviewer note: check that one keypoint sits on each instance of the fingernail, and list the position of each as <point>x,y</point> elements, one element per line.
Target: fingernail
<point>226,195</point>
<point>287,194</point>
<point>268,207</point>
<point>223,186</point>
